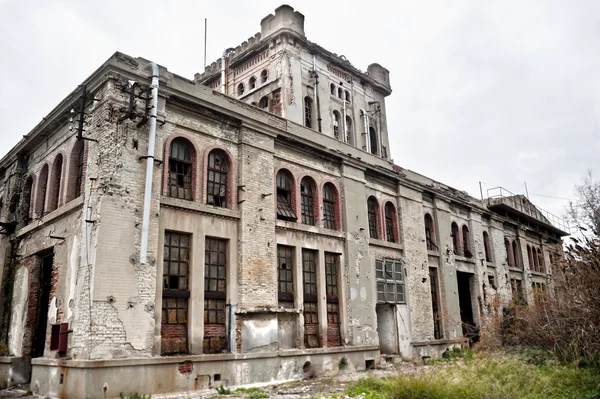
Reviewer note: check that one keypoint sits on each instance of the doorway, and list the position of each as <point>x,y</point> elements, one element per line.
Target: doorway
<point>435,305</point>
<point>45,279</point>
<point>465,303</point>
<point>387,329</point>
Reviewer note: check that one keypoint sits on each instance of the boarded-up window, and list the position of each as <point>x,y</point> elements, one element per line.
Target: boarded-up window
<point>215,294</point>
<point>390,281</point>
<point>311,314</point>
<point>333,309</point>
<point>176,256</point>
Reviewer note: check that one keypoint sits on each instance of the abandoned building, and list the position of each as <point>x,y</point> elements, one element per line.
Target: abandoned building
<point>162,234</point>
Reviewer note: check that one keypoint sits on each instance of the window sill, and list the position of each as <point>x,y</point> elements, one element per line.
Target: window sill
<point>52,216</point>
<point>381,243</point>
<point>433,253</point>
<point>199,207</point>
<point>464,259</point>
<point>515,269</point>
<point>283,224</point>
<point>267,309</point>
<point>490,264</point>
<point>538,274</point>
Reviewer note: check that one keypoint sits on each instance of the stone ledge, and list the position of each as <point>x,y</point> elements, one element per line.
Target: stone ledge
<point>282,224</point>
<point>440,342</point>
<point>195,206</point>
<point>64,210</point>
<point>386,244</point>
<point>6,359</point>
<point>143,361</point>
<point>267,309</point>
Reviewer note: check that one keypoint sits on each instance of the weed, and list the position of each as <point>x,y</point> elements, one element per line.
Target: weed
<point>134,396</point>
<point>223,390</point>
<point>3,349</point>
<point>252,393</point>
<point>343,363</point>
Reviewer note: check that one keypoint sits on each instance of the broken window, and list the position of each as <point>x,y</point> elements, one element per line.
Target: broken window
<point>332,262</point>
<point>285,208</point>
<point>347,95</point>
<point>240,89</point>
<point>307,111</point>
<point>175,294</point>
<point>516,287</point>
<point>215,295</point>
<point>252,83</point>
<point>487,247</point>
<point>40,192</point>
<point>390,222</point>
<point>285,273</point>
<point>349,134</point>
<point>55,185</point>
<point>455,239</point>
<point>530,257</point>
<point>509,253</point>
<point>329,221</point>
<point>336,124</point>
<point>373,140</point>
<point>264,103</point>
<point>539,290</point>
<point>430,233</point>
<point>27,197</point>
<point>180,169</point>
<point>264,76</point>
<point>435,305</point>
<point>216,184</point>
<point>339,93</point>
<point>492,281</point>
<point>311,314</point>
<point>390,281</point>
<point>516,254</point>
<point>542,267</point>
<point>307,201</point>
<point>466,241</point>
<point>373,209</point>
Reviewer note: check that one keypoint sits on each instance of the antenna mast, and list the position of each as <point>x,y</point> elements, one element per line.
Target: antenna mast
<point>205,24</point>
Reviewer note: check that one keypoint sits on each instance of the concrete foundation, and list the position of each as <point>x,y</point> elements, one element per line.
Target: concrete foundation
<point>187,374</point>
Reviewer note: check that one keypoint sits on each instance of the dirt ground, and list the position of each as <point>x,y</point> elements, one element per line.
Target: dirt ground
<point>318,387</point>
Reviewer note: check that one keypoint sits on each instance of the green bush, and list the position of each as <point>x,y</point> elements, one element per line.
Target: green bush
<point>134,396</point>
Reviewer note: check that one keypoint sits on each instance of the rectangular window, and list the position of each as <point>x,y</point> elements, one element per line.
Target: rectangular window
<point>285,273</point>
<point>328,213</point>
<point>332,262</point>
<point>176,256</point>
<point>215,294</point>
<point>180,179</point>
<point>516,287</point>
<point>311,314</point>
<point>433,282</point>
<point>390,281</point>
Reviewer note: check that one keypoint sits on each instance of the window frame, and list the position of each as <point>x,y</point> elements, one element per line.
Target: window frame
<point>224,176</point>
<point>285,196</point>
<point>285,253</point>
<point>187,168</point>
<point>373,217</point>
<point>385,281</point>
<point>307,201</point>
<point>329,206</point>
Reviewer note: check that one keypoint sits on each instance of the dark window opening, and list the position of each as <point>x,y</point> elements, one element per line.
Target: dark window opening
<point>435,304</point>
<point>240,89</point>
<point>329,221</point>
<point>455,239</point>
<point>349,135</point>
<point>486,247</point>
<point>516,255</point>
<point>264,103</point>
<point>390,223</point>
<point>308,112</point>
<point>309,283</point>
<point>336,124</point>
<point>176,257</point>
<point>430,233</point>
<point>339,93</point>
<point>373,140</point>
<point>43,302</point>
<point>333,312</point>
<point>466,241</point>
<point>54,194</point>
<point>252,83</point>
<point>542,267</point>
<point>216,185</point>
<point>285,273</point>
<point>40,192</point>
<point>215,295</point>
<point>264,76</point>
<point>332,89</point>
<point>79,176</point>
<point>516,288</point>
<point>347,95</point>
<point>307,201</point>
<point>180,169</point>
<point>285,209</point>
<point>372,210</point>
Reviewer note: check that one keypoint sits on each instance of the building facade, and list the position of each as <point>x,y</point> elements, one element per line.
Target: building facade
<point>280,235</point>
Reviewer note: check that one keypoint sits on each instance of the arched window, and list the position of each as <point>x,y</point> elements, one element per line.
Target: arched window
<point>216,178</point>
<point>487,247</point>
<point>466,242</point>
<point>373,140</point>
<point>339,92</point>
<point>329,217</point>
<point>509,253</point>
<point>349,135</point>
<point>264,76</point>
<point>336,124</point>
<point>285,198</point>
<point>307,200</point>
<point>536,266</point>
<point>542,266</point>
<point>332,89</point>
<point>391,221</point>
<point>27,196</point>
<point>54,189</point>
<point>240,89</point>
<point>516,256</point>
<point>307,111</point>
<point>373,212</point>
<point>252,83</point>
<point>455,239</point>
<point>180,169</point>
<point>430,233</point>
<point>40,191</point>
<point>347,95</point>
<point>264,103</point>
<point>76,165</point>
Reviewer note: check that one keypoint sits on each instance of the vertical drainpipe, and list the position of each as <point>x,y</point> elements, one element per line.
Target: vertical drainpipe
<point>365,117</point>
<point>223,83</point>
<point>344,122</point>
<point>149,164</point>
<point>316,75</point>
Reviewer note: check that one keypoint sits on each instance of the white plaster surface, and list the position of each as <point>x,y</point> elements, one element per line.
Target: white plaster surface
<point>19,312</point>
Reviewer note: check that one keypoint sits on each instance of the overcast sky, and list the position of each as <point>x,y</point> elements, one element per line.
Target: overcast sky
<point>502,92</point>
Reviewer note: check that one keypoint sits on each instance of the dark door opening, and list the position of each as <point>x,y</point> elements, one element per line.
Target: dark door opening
<point>39,338</point>
<point>435,305</point>
<point>465,304</point>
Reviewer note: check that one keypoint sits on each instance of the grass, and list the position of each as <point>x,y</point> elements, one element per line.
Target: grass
<point>487,376</point>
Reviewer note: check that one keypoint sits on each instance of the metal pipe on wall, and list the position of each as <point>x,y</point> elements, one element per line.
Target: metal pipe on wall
<point>149,164</point>
<point>365,117</point>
